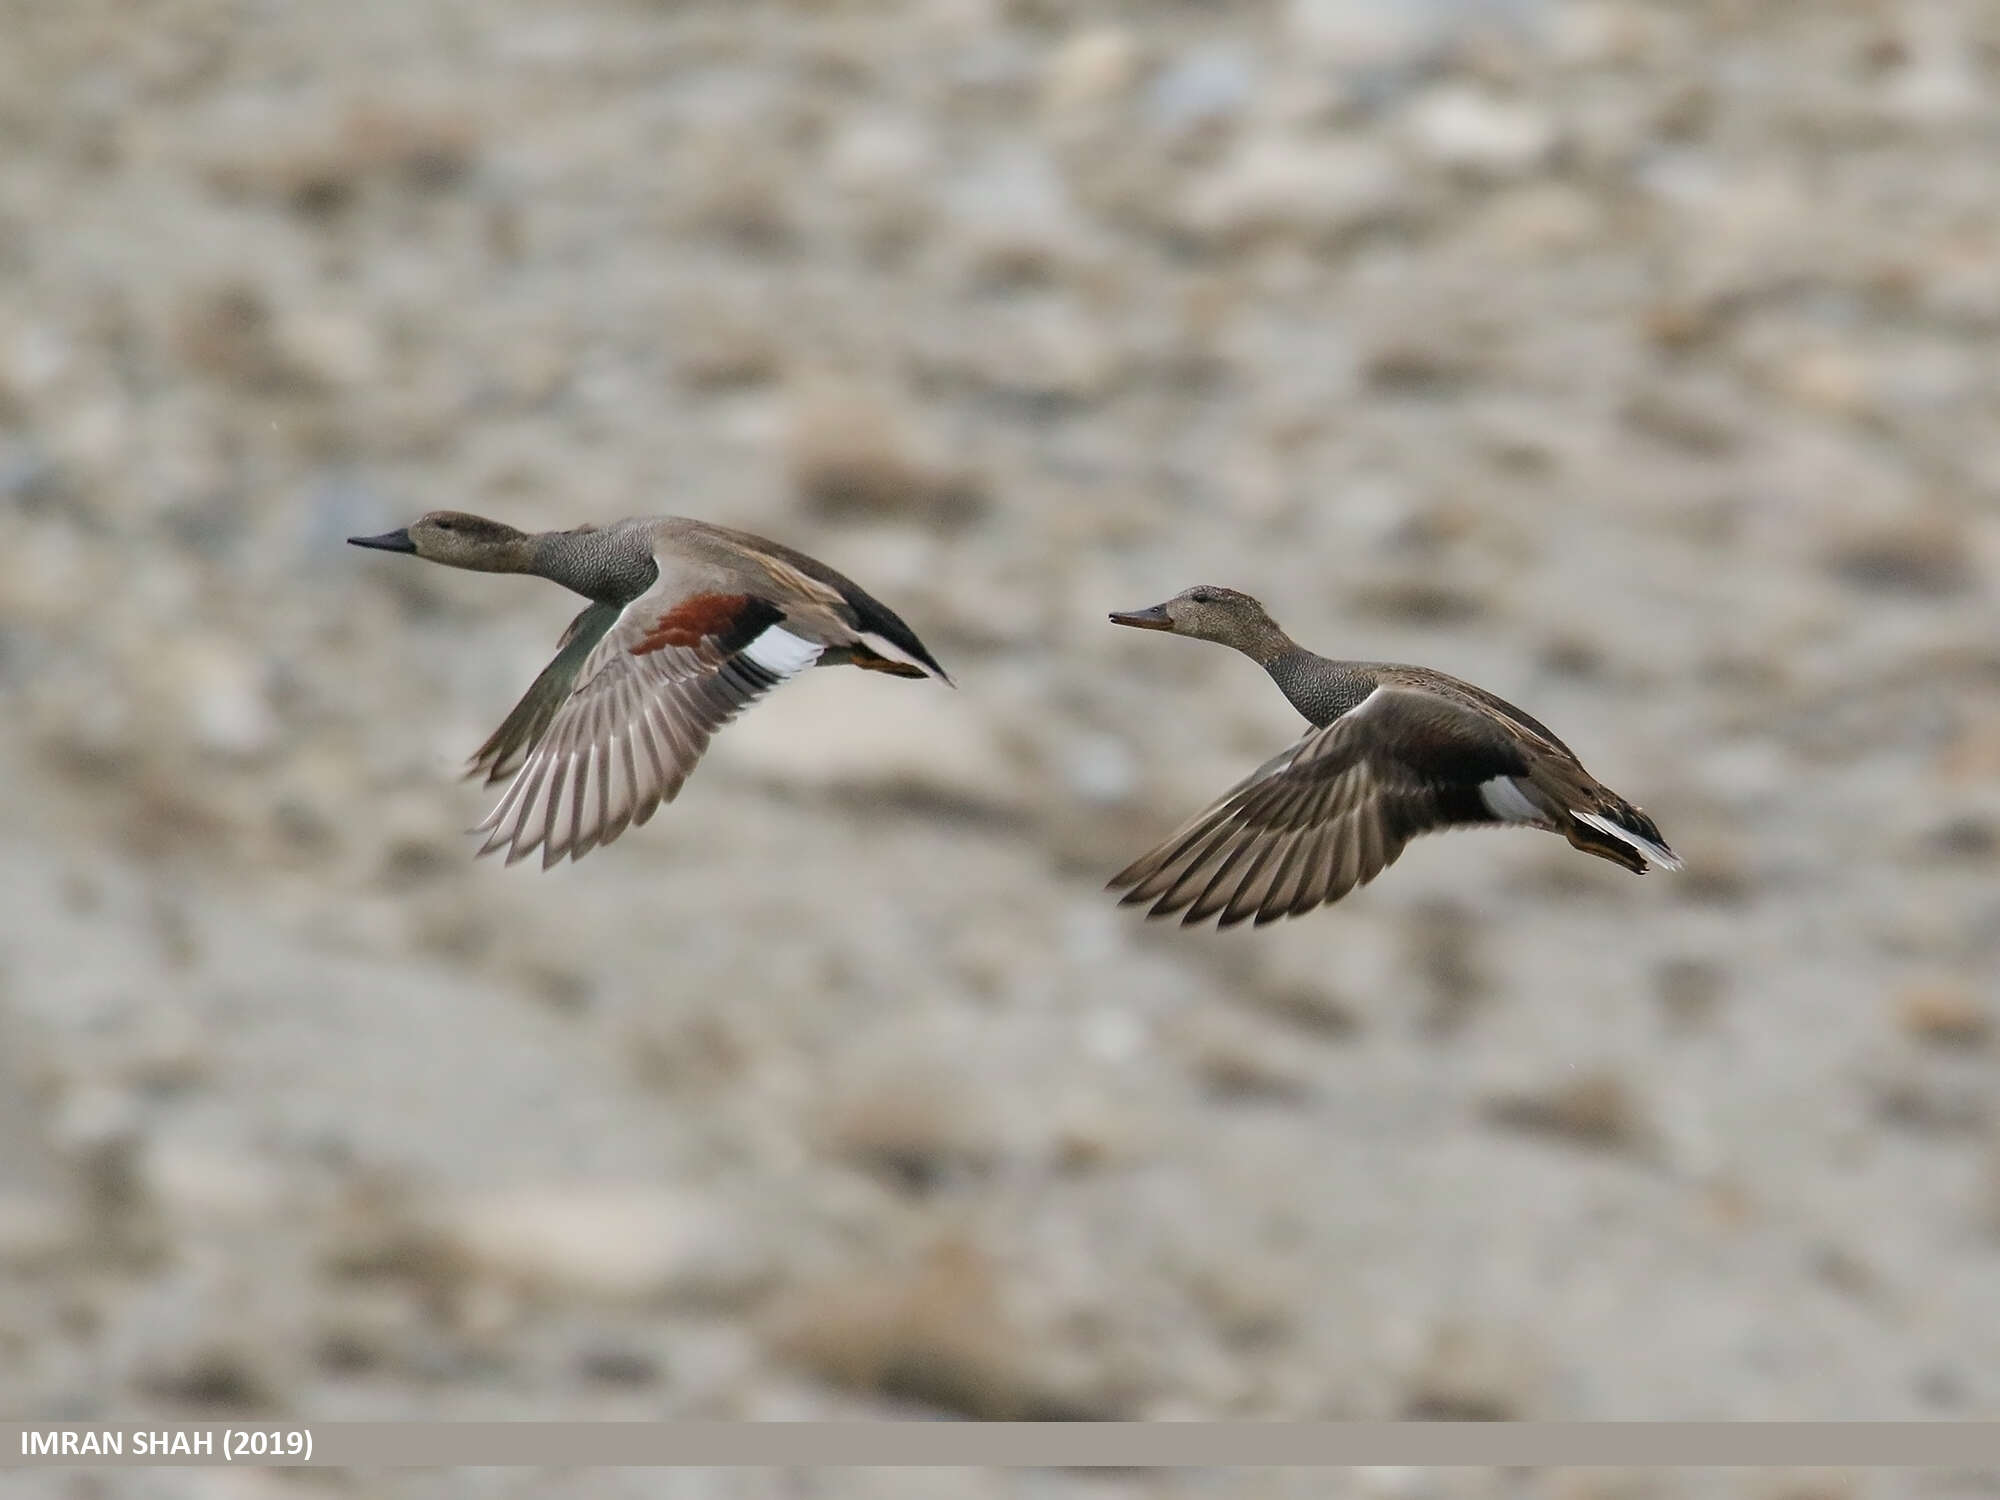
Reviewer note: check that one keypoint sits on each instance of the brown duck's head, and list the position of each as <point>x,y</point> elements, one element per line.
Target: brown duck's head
<point>1208,612</point>
<point>458,540</point>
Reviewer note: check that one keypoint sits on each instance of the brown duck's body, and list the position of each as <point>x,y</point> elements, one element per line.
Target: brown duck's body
<point>1395,751</point>
<point>688,624</point>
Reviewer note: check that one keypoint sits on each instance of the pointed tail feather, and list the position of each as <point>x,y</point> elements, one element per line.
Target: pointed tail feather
<point>1636,839</point>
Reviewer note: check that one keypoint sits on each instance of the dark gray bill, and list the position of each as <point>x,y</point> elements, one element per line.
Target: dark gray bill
<point>1143,619</point>
<point>388,541</point>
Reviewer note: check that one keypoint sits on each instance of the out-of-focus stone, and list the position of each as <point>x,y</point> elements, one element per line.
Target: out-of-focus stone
<point>1015,223</point>
<point>36,1229</point>
<point>328,348</point>
<point>1602,33</point>
<point>1091,70</point>
<point>1596,1109</point>
<point>1542,218</point>
<point>212,1335</point>
<point>913,739</point>
<point>1931,1103</point>
<point>199,1186</point>
<point>1237,1062</point>
<point>1469,130</point>
<point>1390,36</point>
<point>1944,1011</point>
<point>222,693</point>
<point>609,1241</point>
<point>1926,555</point>
<point>884,167</point>
<point>1829,380</point>
<point>920,1128</point>
<point>1099,769</point>
<point>1470,1375</point>
<point>939,1334</point>
<point>1209,86</point>
<point>854,453</point>
<point>1690,989</point>
<point>1279,186</point>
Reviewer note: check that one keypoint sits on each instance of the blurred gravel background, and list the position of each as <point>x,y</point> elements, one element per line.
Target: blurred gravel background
<point>1637,361</point>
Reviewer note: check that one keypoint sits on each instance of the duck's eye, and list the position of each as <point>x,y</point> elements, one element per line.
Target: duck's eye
<point>445,526</point>
<point>1203,596</point>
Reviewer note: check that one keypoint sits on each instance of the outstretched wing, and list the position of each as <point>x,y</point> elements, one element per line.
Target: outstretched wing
<point>1329,814</point>
<point>501,755</point>
<point>662,677</point>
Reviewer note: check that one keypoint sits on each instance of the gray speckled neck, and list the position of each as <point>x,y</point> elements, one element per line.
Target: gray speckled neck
<point>612,565</point>
<point>1320,689</point>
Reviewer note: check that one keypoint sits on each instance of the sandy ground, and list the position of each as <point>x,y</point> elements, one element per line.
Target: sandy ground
<point>1633,360</point>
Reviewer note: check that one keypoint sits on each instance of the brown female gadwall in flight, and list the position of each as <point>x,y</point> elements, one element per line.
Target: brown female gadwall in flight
<point>688,624</point>
<point>1394,751</point>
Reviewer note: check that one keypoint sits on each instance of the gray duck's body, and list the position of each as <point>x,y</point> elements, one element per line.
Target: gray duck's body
<point>1394,751</point>
<point>688,625</point>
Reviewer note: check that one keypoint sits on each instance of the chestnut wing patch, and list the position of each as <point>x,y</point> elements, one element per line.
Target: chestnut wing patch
<point>645,702</point>
<point>727,622</point>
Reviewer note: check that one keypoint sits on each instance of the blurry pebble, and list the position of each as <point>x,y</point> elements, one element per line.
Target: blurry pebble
<point>1375,35</point>
<point>852,455</point>
<point>1275,186</point>
<point>1543,218</point>
<point>223,1375</point>
<point>328,349</point>
<point>1209,85</point>
<point>224,697</point>
<point>1601,33</point>
<point>1689,990</point>
<point>937,1334</point>
<point>1832,381</point>
<point>1967,837</point>
<point>923,743</point>
<point>611,1364</point>
<point>1469,130</point>
<point>1420,600</point>
<point>205,1187</point>
<point>1100,768</point>
<point>1090,70</point>
<point>1944,1011</point>
<point>1846,1272</point>
<point>211,1332</point>
<point>1468,1376</point>
<point>35,1230</point>
<point>1595,1109</point>
<point>1715,874</point>
<point>1925,556</point>
<point>227,333</point>
<point>919,1127</point>
<point>1932,1104</point>
<point>611,1241</point>
<point>1444,938</point>
<point>1973,753</point>
<point>1310,1005</point>
<point>1237,1063</point>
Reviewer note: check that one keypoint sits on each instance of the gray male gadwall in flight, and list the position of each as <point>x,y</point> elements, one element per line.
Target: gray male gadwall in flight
<point>688,624</point>
<point>1393,752</point>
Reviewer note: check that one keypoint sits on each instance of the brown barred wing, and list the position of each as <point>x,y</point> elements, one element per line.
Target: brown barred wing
<point>1328,815</point>
<point>663,678</point>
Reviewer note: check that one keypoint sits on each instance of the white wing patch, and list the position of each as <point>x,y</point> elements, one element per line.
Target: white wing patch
<point>1506,801</point>
<point>781,653</point>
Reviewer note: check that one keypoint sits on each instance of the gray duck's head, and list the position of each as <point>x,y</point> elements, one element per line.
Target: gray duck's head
<point>1209,612</point>
<point>459,540</point>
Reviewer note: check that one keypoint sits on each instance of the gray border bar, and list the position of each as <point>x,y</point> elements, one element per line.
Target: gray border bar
<point>1023,1444</point>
